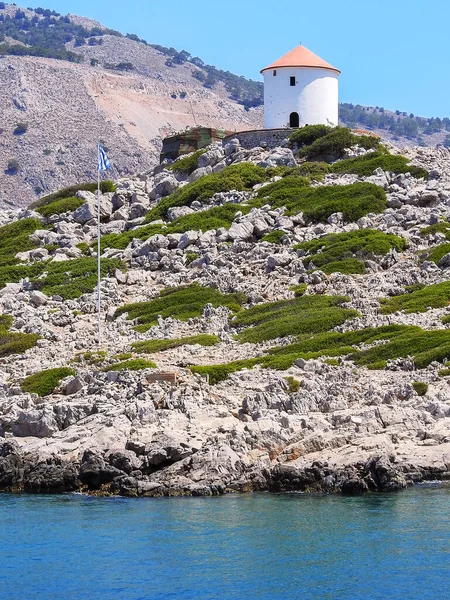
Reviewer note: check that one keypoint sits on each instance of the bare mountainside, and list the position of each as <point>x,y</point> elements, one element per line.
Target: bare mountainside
<point>68,107</point>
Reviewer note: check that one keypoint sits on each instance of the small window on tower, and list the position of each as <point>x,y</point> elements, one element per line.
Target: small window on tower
<point>292,81</point>
<point>274,73</point>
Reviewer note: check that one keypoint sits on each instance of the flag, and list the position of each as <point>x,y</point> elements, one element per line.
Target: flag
<point>103,161</point>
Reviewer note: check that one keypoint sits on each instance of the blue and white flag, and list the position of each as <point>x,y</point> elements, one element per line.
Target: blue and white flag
<point>103,161</point>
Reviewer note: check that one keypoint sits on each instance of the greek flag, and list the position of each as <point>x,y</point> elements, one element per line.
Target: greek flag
<point>103,161</point>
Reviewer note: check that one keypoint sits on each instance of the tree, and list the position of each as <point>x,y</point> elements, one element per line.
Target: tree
<point>13,166</point>
<point>21,128</point>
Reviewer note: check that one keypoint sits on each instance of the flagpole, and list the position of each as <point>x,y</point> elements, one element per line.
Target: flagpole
<point>98,249</point>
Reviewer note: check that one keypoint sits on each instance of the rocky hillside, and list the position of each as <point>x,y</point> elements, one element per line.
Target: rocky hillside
<point>268,323</point>
<point>54,112</point>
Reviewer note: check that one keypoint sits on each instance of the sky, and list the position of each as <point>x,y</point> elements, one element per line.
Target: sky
<point>392,53</point>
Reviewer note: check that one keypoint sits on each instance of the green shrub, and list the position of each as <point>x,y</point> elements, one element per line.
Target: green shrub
<point>304,314</point>
<point>342,251</point>
<point>441,227</point>
<point>136,364</point>
<point>293,385</point>
<point>299,290</point>
<point>335,142</point>
<point>444,373</point>
<point>21,128</point>
<point>218,373</point>
<point>191,256</point>
<point>186,164</point>
<point>274,237</point>
<point>84,248</point>
<point>73,278</point>
<point>68,192</point>
<point>420,388</point>
<point>14,238</point>
<point>44,382</point>
<point>6,322</point>
<point>123,356</point>
<point>431,296</point>
<point>305,136</point>
<point>436,254</point>
<point>58,207</point>
<point>446,320</point>
<point>13,166</point>
<point>181,303</point>
<point>93,357</point>
<point>317,204</point>
<point>314,170</point>
<point>366,165</point>
<point>235,177</point>
<point>152,346</point>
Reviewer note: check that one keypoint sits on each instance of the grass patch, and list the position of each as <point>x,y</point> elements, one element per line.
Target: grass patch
<point>441,227</point>
<point>444,373</point>
<point>436,254</point>
<point>14,238</point>
<point>123,356</point>
<point>431,296</point>
<point>400,341</point>
<point>94,357</point>
<point>191,256</point>
<point>11,342</point>
<point>186,164</point>
<point>68,192</point>
<point>420,388</point>
<point>446,320</point>
<point>315,171</point>
<point>304,314</point>
<point>274,237</point>
<point>366,165</point>
<point>235,177</point>
<point>45,382</point>
<point>180,303</point>
<point>152,346</point>
<point>72,278</point>
<point>136,364</point>
<point>214,218</point>
<point>344,252</point>
<point>58,207</point>
<point>317,204</point>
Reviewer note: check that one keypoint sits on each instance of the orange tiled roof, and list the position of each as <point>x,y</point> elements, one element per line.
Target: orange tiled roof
<point>300,57</point>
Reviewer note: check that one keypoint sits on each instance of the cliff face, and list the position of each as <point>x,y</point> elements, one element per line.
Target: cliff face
<point>259,331</point>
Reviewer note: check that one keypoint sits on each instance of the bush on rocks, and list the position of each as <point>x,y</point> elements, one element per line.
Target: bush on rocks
<point>68,192</point>
<point>431,296</point>
<point>366,165</point>
<point>152,346</point>
<point>12,342</point>
<point>186,164</point>
<point>45,382</point>
<point>181,303</point>
<point>58,207</point>
<point>420,388</point>
<point>344,252</point>
<point>135,364</point>
<point>317,204</point>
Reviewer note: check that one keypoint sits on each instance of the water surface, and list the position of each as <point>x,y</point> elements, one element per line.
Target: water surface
<point>276,547</point>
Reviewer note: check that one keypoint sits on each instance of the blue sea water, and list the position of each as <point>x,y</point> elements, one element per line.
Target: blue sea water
<point>260,546</point>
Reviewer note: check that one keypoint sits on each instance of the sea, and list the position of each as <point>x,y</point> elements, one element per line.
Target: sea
<point>256,546</point>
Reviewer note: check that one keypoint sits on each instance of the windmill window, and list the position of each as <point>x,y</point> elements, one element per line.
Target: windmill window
<point>274,73</point>
<point>292,81</point>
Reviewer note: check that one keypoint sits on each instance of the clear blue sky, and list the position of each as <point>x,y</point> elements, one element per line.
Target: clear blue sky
<point>392,53</point>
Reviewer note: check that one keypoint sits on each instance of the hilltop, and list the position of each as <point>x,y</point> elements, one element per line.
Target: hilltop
<point>67,82</point>
<point>270,322</point>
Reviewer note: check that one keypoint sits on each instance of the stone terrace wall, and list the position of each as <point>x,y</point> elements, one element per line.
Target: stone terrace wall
<point>267,138</point>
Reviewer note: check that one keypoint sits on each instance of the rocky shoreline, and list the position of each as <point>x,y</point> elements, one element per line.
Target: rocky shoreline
<point>207,416</point>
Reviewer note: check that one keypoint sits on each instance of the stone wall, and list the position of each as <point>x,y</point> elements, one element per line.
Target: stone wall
<point>267,138</point>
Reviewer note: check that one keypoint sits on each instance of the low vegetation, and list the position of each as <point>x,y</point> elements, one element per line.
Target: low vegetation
<point>186,164</point>
<point>441,227</point>
<point>14,238</point>
<point>134,364</point>
<point>235,177</point>
<point>302,315</point>
<point>69,192</point>
<point>320,140</point>
<point>317,204</point>
<point>152,346</point>
<point>366,165</point>
<point>431,296</point>
<point>420,388</point>
<point>72,278</point>
<point>12,342</point>
<point>180,303</point>
<point>345,252</point>
<point>446,320</point>
<point>437,254</point>
<point>58,207</point>
<point>45,382</point>
<point>390,342</point>
<point>274,237</point>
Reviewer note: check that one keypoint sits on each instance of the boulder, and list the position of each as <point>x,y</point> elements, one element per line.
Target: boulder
<point>241,231</point>
<point>38,298</point>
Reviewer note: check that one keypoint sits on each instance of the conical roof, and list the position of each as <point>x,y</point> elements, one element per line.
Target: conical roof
<point>301,57</point>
